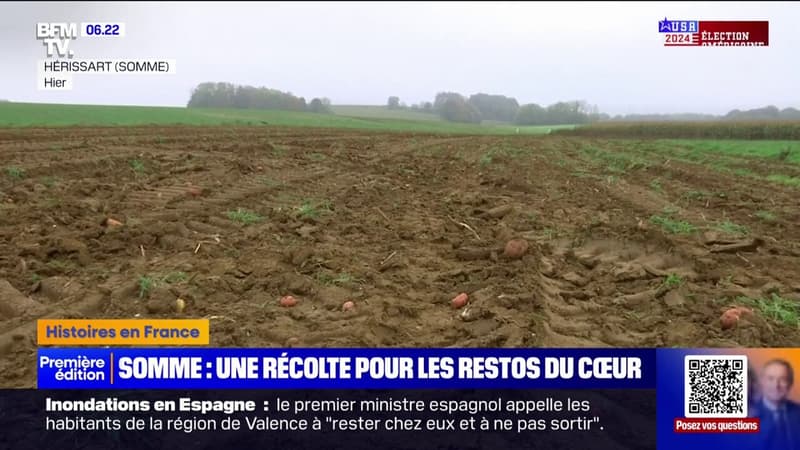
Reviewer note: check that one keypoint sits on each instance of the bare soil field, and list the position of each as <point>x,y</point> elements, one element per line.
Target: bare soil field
<point>232,219</point>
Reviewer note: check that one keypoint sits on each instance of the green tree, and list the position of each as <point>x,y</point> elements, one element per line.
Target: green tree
<point>227,95</point>
<point>495,107</point>
<point>442,97</point>
<point>319,106</point>
<point>455,108</point>
<point>531,114</point>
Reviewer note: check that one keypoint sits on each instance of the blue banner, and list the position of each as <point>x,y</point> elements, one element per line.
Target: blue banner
<point>247,368</point>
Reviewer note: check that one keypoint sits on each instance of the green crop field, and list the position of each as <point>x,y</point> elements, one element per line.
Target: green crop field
<point>382,112</point>
<point>776,129</point>
<point>788,151</point>
<point>769,162</point>
<point>50,115</point>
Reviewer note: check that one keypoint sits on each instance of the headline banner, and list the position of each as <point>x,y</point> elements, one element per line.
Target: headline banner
<point>246,368</point>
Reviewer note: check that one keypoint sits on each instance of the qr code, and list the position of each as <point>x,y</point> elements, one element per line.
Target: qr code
<point>716,386</point>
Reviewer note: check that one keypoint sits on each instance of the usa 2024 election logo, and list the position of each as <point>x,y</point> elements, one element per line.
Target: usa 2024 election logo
<point>704,33</point>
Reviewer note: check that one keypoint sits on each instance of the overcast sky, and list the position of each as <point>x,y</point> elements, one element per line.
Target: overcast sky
<point>609,54</point>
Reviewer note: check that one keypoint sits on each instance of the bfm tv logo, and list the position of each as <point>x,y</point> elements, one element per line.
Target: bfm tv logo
<point>694,33</point>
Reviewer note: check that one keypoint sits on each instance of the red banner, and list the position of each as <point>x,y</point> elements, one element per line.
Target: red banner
<point>733,33</point>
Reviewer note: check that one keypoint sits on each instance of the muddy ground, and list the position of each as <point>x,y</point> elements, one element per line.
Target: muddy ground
<point>399,224</point>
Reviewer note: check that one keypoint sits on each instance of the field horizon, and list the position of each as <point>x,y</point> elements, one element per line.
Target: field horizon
<point>357,117</point>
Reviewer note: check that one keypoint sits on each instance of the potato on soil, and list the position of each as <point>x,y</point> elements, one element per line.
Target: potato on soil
<point>459,301</point>
<point>109,222</point>
<point>288,301</point>
<point>730,318</point>
<point>515,248</point>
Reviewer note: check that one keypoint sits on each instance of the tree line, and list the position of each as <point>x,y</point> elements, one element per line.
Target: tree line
<point>767,113</point>
<point>228,95</point>
<point>757,114</point>
<point>454,107</point>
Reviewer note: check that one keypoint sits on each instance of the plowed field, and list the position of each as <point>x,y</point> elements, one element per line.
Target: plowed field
<point>626,247</point>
